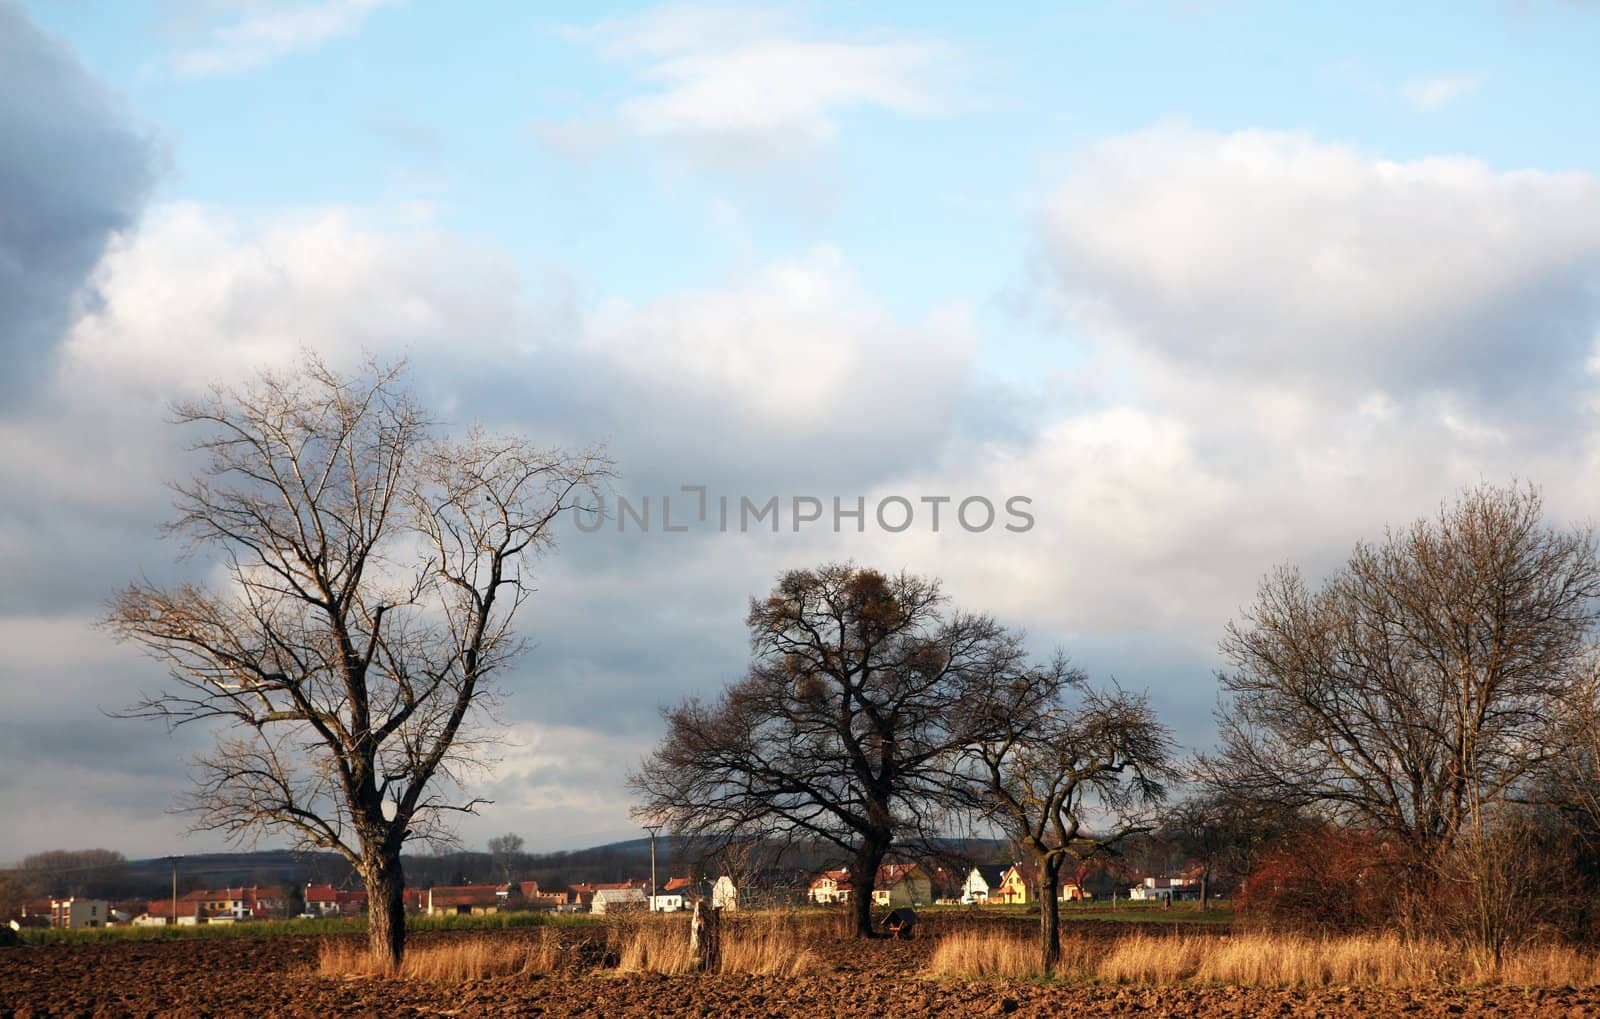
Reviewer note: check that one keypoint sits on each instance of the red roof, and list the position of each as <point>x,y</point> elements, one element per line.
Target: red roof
<point>841,878</point>
<point>676,883</point>
<point>464,895</point>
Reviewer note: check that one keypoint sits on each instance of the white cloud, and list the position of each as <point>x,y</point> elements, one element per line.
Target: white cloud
<point>1434,92</point>
<point>1258,255</point>
<point>260,35</point>
<point>732,79</point>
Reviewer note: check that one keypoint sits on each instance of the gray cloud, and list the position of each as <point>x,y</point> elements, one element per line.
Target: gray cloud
<point>72,175</point>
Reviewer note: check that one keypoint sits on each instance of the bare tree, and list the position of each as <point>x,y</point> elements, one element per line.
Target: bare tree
<point>506,855</point>
<point>1427,679</point>
<point>845,729</point>
<point>1067,781</point>
<point>372,571</point>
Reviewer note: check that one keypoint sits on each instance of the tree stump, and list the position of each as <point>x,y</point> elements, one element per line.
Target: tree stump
<point>705,938</point>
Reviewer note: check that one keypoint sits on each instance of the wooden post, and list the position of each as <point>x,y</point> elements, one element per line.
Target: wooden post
<point>705,938</point>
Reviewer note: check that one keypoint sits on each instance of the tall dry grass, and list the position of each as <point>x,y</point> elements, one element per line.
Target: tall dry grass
<point>772,944</point>
<point>450,961</point>
<point>1265,960</point>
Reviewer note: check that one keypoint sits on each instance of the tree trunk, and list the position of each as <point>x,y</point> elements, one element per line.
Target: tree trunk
<point>868,858</point>
<point>386,908</point>
<point>1205,890</point>
<point>1049,914</point>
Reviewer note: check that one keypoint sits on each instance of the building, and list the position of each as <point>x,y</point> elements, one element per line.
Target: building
<point>830,887</point>
<point>326,900</point>
<point>580,895</point>
<point>724,893</point>
<point>980,883</point>
<point>676,894</point>
<point>618,900</point>
<point>75,912</point>
<point>1165,889</point>
<point>466,900</point>
<point>902,885</point>
<point>1019,883</point>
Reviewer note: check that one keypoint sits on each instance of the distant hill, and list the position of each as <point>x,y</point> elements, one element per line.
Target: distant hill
<point>615,861</point>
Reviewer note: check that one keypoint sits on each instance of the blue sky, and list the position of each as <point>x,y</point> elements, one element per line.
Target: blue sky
<point>1218,285</point>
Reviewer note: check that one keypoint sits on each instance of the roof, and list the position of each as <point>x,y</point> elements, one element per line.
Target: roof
<point>891,874</point>
<point>591,887</point>
<point>464,895</point>
<point>619,895</point>
<point>991,876</point>
<point>840,878</point>
<point>675,884</point>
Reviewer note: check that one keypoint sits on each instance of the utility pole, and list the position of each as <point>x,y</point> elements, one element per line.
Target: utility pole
<point>174,860</point>
<point>652,829</point>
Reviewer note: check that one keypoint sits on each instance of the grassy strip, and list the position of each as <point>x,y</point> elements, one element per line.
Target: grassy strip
<point>350,925</point>
<point>1139,912</point>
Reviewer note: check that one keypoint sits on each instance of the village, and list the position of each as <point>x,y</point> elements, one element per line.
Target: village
<point>896,886</point>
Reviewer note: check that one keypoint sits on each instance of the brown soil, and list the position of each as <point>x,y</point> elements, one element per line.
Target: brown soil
<point>276,976</point>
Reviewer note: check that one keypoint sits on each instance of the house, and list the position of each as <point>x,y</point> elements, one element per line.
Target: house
<point>1019,883</point>
<point>674,895</point>
<point>981,882</point>
<point>902,884</point>
<point>724,893</point>
<point>272,902</point>
<point>227,904</point>
<point>76,912</point>
<point>830,887</point>
<point>617,900</point>
<point>326,900</point>
<point>1165,889</point>
<point>464,900</point>
<point>581,894</point>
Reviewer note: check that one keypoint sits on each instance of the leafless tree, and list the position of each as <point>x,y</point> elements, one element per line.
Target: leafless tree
<point>371,571</point>
<point>1429,678</point>
<point>1067,771</point>
<point>506,855</point>
<point>846,728</point>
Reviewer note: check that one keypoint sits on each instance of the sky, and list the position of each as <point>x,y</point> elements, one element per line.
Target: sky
<point>1212,286</point>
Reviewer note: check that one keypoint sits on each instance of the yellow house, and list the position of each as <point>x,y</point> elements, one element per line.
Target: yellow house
<point>1016,886</point>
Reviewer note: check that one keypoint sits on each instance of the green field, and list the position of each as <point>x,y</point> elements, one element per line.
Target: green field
<point>351,925</point>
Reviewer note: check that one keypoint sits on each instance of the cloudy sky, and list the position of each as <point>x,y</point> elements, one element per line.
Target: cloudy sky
<point>1216,285</point>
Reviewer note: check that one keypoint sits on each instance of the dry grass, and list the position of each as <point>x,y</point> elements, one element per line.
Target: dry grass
<point>1265,960</point>
<point>451,961</point>
<point>769,945</point>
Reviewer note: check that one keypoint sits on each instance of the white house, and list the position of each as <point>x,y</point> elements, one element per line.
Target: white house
<point>618,900</point>
<point>79,912</point>
<point>1168,889</point>
<point>829,887</point>
<point>979,883</point>
<point>724,894</point>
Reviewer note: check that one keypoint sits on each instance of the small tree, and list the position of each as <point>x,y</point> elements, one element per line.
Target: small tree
<point>1046,769</point>
<point>847,727</point>
<point>372,570</point>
